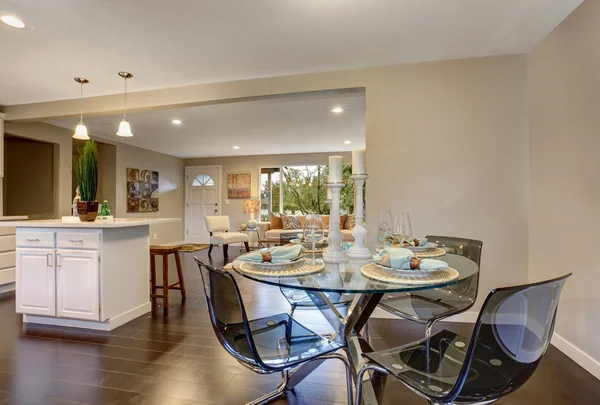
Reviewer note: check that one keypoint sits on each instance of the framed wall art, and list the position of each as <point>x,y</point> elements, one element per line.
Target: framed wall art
<point>238,185</point>
<point>142,190</point>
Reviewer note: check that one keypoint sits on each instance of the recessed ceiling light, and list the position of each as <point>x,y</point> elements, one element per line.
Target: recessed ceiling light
<point>176,122</point>
<point>12,21</point>
<point>235,147</point>
<point>347,142</point>
<point>337,110</point>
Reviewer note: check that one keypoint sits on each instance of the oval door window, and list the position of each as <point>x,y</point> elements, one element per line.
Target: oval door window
<point>203,180</point>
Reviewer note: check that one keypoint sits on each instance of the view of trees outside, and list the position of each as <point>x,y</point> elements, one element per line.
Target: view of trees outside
<point>304,190</point>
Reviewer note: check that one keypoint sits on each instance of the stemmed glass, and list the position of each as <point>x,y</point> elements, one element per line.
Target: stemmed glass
<point>402,226</point>
<point>313,232</point>
<point>385,222</point>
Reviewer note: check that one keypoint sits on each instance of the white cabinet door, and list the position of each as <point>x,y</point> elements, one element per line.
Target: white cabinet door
<point>77,284</point>
<point>36,284</point>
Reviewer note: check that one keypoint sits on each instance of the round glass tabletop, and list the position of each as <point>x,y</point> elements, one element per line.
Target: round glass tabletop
<point>347,278</point>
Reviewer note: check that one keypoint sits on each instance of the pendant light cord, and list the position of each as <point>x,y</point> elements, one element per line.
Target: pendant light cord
<point>81,103</point>
<point>125,101</point>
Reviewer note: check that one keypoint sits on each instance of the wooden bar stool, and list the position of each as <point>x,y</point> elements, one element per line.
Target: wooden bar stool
<point>165,251</point>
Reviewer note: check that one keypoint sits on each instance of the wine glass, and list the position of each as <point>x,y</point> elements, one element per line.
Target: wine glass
<point>385,222</point>
<point>406,228</point>
<point>402,227</point>
<point>313,232</point>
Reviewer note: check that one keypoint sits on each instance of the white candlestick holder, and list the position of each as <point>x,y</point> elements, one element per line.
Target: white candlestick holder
<point>359,249</point>
<point>334,253</point>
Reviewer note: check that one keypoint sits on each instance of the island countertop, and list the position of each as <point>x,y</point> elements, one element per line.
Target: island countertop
<point>118,223</point>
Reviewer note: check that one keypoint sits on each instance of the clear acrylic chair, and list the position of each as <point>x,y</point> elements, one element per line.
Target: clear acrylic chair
<point>267,345</point>
<point>511,335</point>
<point>429,306</point>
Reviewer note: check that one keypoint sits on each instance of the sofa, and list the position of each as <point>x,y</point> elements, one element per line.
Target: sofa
<point>270,232</point>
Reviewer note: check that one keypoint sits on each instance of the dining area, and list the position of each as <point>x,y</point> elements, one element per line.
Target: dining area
<point>417,280</point>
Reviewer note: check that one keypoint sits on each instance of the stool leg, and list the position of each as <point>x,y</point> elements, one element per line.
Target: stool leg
<point>153,277</point>
<point>209,250</point>
<point>225,250</point>
<point>166,281</point>
<point>247,246</point>
<point>180,274</point>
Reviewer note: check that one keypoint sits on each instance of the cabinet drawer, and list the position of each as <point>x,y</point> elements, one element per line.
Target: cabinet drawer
<point>7,276</point>
<point>7,259</point>
<point>7,230</point>
<point>35,239</point>
<point>8,242</point>
<point>77,240</point>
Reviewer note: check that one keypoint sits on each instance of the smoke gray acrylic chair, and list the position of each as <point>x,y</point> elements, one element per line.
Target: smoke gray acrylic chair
<point>428,307</point>
<point>511,335</point>
<point>267,345</point>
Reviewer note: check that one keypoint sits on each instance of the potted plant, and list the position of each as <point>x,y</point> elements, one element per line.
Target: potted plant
<point>86,173</point>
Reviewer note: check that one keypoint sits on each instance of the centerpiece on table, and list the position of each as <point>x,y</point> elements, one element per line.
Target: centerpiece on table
<point>85,165</point>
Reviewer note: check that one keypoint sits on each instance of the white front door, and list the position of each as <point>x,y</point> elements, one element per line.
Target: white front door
<point>202,198</point>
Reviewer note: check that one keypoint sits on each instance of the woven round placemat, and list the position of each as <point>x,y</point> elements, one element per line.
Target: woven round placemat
<point>301,270</point>
<point>396,277</point>
<point>430,252</point>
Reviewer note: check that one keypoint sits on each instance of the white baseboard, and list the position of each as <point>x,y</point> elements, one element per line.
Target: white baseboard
<point>580,357</point>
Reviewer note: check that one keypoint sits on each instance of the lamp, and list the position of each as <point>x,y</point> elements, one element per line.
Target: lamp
<point>251,207</point>
<point>81,129</point>
<point>124,127</point>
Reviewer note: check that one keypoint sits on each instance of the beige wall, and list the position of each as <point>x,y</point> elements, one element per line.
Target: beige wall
<point>170,168</point>
<point>28,178</point>
<point>170,189</point>
<point>564,83</point>
<point>251,164</point>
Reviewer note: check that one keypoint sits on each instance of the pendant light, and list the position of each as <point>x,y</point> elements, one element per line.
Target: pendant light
<point>81,130</point>
<point>124,127</point>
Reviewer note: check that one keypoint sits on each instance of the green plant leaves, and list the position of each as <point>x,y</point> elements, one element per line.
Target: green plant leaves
<point>85,165</point>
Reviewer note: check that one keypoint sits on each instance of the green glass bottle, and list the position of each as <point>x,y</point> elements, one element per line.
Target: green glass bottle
<point>105,210</point>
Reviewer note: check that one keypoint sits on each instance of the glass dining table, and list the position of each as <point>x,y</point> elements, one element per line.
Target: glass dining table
<point>337,279</point>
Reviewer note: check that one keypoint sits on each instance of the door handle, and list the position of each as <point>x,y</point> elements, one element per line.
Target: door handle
<point>76,241</point>
<point>49,259</point>
<point>32,240</point>
<point>216,204</point>
<point>58,260</point>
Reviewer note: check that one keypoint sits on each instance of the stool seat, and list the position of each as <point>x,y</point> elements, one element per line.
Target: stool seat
<point>165,251</point>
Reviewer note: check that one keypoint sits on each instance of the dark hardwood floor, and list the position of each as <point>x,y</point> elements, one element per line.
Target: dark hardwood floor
<point>176,360</point>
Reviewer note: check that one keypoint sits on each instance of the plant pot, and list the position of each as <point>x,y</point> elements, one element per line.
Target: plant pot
<point>87,210</point>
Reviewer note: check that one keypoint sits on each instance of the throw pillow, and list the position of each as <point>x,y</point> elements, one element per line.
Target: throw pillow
<point>290,222</point>
<point>350,221</point>
<point>276,222</point>
<point>343,219</point>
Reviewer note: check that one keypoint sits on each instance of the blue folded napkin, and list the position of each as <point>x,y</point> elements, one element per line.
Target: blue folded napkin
<point>279,254</point>
<point>399,258</point>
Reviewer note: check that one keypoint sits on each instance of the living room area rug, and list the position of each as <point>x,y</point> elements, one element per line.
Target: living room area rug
<point>194,247</point>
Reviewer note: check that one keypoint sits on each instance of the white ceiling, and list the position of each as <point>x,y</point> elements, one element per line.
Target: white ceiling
<point>292,124</point>
<point>181,42</point>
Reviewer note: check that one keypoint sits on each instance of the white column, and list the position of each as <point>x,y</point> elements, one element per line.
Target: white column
<point>359,249</point>
<point>334,253</point>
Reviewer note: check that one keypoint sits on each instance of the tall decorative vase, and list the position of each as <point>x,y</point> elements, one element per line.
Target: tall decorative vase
<point>334,253</point>
<point>359,249</point>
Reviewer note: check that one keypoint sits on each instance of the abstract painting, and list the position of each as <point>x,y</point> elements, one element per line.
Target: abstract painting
<point>142,190</point>
<point>238,185</point>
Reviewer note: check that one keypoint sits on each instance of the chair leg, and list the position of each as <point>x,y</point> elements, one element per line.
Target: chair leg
<point>359,379</point>
<point>166,281</point>
<point>225,250</point>
<point>429,328</point>
<point>180,275</point>
<point>274,394</point>
<point>210,250</point>
<point>153,278</point>
<point>247,246</point>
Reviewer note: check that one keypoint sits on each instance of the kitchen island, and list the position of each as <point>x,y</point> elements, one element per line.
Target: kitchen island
<point>92,275</point>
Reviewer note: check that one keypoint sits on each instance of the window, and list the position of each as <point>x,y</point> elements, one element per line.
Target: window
<point>203,180</point>
<point>299,190</point>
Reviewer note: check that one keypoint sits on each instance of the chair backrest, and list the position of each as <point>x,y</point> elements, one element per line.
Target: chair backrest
<point>228,315</point>
<point>463,294</point>
<point>217,223</point>
<point>511,335</point>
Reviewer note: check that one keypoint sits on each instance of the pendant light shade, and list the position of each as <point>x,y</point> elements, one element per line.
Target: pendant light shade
<point>124,127</point>
<point>81,130</point>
